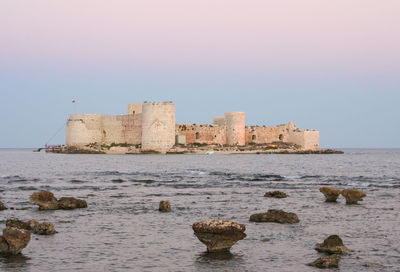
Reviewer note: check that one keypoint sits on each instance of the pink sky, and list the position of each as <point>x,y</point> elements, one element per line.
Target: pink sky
<point>284,36</point>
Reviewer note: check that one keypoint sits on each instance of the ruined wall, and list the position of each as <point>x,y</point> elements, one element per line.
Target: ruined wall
<point>235,128</point>
<point>204,134</point>
<point>158,126</point>
<point>219,121</point>
<point>135,108</point>
<point>83,129</point>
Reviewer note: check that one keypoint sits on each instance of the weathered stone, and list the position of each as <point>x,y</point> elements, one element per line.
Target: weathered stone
<point>164,206</point>
<point>14,240</point>
<point>330,193</point>
<point>2,207</point>
<point>70,203</point>
<point>45,200</point>
<point>16,223</point>
<point>353,196</point>
<point>276,194</point>
<point>331,261</point>
<point>332,245</point>
<point>219,235</point>
<point>45,228</point>
<point>277,216</point>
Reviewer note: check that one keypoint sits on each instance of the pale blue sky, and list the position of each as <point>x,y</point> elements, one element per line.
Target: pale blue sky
<point>327,65</point>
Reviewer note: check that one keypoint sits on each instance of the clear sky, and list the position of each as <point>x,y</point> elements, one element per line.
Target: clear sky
<point>328,65</point>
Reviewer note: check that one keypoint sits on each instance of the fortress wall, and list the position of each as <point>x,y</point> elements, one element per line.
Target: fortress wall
<point>262,135</point>
<point>219,121</point>
<point>83,129</point>
<point>235,128</point>
<point>204,134</point>
<point>135,108</point>
<point>306,139</point>
<point>158,126</point>
<point>133,128</point>
<point>113,129</point>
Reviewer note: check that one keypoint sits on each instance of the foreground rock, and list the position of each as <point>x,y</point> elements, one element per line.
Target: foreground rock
<point>332,245</point>
<point>276,216</point>
<point>14,240</point>
<point>219,235</point>
<point>47,201</point>
<point>276,194</point>
<point>2,207</point>
<point>70,203</point>
<point>331,261</point>
<point>331,194</point>
<point>45,228</point>
<point>353,196</point>
<point>164,206</point>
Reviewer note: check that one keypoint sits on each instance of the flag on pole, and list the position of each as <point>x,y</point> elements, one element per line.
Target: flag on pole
<point>73,101</point>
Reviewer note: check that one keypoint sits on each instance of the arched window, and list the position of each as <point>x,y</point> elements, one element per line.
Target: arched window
<point>197,135</point>
<point>280,137</point>
<point>253,138</point>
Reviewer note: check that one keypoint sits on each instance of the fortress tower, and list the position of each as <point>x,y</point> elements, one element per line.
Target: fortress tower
<point>235,128</point>
<point>158,126</point>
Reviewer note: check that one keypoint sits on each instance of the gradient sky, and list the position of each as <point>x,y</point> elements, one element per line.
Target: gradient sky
<point>328,65</point>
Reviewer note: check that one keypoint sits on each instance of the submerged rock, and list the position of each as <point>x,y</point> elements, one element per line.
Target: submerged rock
<point>45,228</point>
<point>353,196</point>
<point>164,206</point>
<point>332,245</point>
<point>45,200</point>
<point>330,193</point>
<point>2,207</point>
<point>219,235</point>
<point>327,261</point>
<point>70,203</point>
<point>277,216</point>
<point>276,194</point>
<point>14,240</point>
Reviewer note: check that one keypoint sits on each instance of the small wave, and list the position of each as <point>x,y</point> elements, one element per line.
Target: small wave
<point>76,181</point>
<point>118,180</point>
<point>27,188</point>
<point>197,172</point>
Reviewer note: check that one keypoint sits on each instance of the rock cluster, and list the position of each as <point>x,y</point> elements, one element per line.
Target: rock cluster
<point>219,235</point>
<point>276,194</point>
<point>14,240</point>
<point>330,193</point>
<point>2,207</point>
<point>277,216</point>
<point>164,206</point>
<point>47,201</point>
<point>332,245</point>
<point>45,228</point>
<point>331,261</point>
<point>353,196</point>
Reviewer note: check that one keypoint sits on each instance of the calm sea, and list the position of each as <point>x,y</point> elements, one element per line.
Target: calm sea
<point>122,230</point>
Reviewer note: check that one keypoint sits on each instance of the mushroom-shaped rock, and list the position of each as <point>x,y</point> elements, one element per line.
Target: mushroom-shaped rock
<point>332,245</point>
<point>45,200</point>
<point>2,207</point>
<point>70,203</point>
<point>330,193</point>
<point>14,240</point>
<point>276,194</point>
<point>330,261</point>
<point>277,216</point>
<point>45,228</point>
<point>164,206</point>
<point>219,235</point>
<point>353,196</point>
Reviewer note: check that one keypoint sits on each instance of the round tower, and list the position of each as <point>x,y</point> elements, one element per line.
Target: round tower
<point>83,129</point>
<point>235,128</point>
<point>158,126</point>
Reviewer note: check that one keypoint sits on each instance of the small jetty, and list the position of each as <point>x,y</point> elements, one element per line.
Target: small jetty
<point>50,148</point>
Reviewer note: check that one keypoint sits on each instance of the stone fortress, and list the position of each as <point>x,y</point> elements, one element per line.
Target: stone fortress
<point>151,126</point>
